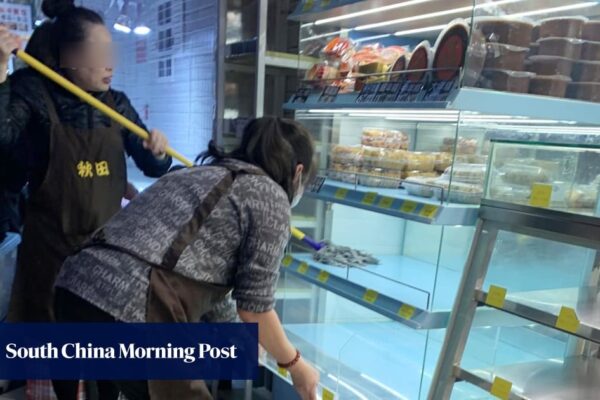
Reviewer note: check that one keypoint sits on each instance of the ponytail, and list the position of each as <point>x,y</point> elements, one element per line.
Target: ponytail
<point>277,146</point>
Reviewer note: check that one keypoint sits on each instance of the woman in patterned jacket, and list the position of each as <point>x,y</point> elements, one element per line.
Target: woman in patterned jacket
<point>194,237</point>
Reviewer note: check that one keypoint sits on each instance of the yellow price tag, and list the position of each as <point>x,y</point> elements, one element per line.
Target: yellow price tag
<point>567,320</point>
<point>541,193</point>
<point>341,193</point>
<point>283,372</point>
<point>408,207</point>
<point>369,198</point>
<point>327,394</point>
<point>496,296</point>
<point>287,261</point>
<point>370,296</point>
<point>428,211</point>
<point>386,202</point>
<point>323,276</point>
<point>501,388</point>
<point>308,5</point>
<point>303,268</point>
<point>406,311</point>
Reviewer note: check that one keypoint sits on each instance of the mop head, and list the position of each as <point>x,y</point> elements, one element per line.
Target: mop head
<point>342,256</point>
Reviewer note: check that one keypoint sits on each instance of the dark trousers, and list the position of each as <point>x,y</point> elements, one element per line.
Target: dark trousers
<point>69,307</point>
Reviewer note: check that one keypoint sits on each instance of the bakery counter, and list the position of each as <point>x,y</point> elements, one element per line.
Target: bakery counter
<point>397,203</point>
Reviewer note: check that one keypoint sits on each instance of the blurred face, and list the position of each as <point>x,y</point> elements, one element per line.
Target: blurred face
<point>89,64</point>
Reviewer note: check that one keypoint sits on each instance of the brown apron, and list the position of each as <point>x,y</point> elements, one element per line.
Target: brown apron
<point>83,187</point>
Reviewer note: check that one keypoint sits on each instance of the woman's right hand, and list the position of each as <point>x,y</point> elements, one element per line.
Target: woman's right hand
<point>8,43</point>
<point>305,379</point>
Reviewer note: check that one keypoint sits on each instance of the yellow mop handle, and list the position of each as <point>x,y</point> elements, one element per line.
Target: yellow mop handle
<point>91,100</point>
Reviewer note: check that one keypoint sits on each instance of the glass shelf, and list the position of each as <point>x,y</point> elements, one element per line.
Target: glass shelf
<point>404,205</point>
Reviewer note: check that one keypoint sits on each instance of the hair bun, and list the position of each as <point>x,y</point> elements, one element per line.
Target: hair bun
<point>55,8</point>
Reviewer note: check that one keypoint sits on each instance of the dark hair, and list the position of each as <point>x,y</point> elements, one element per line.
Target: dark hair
<point>277,146</point>
<point>66,27</point>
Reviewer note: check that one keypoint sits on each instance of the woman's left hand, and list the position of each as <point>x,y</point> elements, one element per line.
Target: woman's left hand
<point>157,143</point>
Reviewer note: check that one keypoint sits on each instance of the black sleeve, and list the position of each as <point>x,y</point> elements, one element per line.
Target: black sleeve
<point>144,159</point>
<point>15,113</point>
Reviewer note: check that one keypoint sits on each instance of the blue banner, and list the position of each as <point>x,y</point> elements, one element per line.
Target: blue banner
<point>122,351</point>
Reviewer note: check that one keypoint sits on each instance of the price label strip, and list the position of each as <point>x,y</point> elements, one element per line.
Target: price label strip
<point>410,91</point>
<point>440,90</point>
<point>369,198</point>
<point>406,311</point>
<point>329,94</point>
<point>308,5</point>
<point>282,371</point>
<point>303,268</point>
<point>287,261</point>
<point>384,90</point>
<point>323,276</point>
<point>501,388</point>
<point>368,93</point>
<point>429,211</point>
<point>496,296</point>
<point>567,320</point>
<point>316,184</point>
<point>341,193</point>
<point>408,207</point>
<point>327,394</point>
<point>541,193</point>
<point>386,202</point>
<point>370,296</point>
<point>301,95</point>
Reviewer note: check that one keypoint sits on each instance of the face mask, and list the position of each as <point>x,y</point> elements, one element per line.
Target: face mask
<point>299,193</point>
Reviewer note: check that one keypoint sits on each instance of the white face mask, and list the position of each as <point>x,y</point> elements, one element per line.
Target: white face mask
<point>299,193</point>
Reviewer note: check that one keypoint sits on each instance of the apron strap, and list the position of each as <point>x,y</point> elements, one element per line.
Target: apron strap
<point>188,231</point>
<point>52,114</point>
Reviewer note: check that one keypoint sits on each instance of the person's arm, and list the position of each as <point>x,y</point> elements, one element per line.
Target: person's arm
<point>272,337</point>
<point>148,156</point>
<point>265,223</point>
<point>14,111</point>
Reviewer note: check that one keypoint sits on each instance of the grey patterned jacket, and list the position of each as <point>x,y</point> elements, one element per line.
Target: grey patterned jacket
<point>239,245</point>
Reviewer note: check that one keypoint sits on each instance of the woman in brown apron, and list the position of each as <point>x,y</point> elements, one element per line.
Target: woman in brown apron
<point>76,170</point>
<point>191,239</point>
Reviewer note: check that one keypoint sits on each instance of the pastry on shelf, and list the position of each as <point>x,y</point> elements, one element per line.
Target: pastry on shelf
<point>464,145</point>
<point>385,138</point>
<point>394,159</point>
<point>378,177</point>
<point>421,161</point>
<point>347,154</point>
<point>519,174</point>
<point>583,196</point>
<point>464,193</point>
<point>421,186</point>
<point>442,160</point>
<point>466,173</point>
<point>372,156</point>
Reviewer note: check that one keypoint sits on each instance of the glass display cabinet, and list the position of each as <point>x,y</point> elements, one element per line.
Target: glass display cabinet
<point>405,104</point>
<point>534,265</point>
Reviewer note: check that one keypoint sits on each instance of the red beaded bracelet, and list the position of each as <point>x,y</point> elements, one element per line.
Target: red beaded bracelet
<point>291,363</point>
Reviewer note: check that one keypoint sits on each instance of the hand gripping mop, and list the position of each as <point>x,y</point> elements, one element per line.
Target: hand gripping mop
<point>325,253</point>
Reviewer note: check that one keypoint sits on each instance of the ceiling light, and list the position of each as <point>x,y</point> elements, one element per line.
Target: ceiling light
<point>370,11</point>
<point>420,30</point>
<point>142,30</point>
<point>556,9</point>
<point>122,24</point>
<point>434,14</point>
